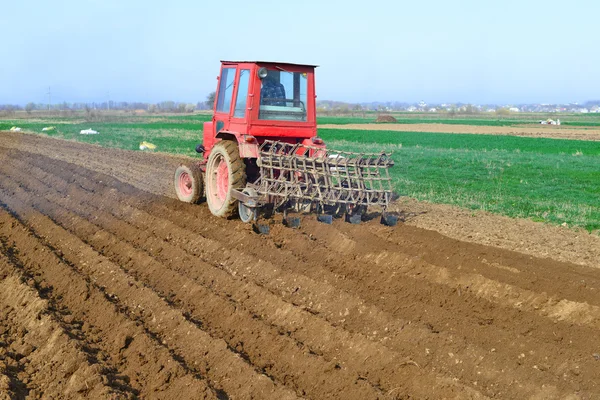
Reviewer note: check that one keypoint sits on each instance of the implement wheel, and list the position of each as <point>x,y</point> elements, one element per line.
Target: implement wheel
<point>189,183</point>
<point>225,170</point>
<point>247,214</point>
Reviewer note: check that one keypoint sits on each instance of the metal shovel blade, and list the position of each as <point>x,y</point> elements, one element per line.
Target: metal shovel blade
<point>292,222</point>
<point>389,220</point>
<point>261,229</point>
<point>354,218</point>
<point>326,219</point>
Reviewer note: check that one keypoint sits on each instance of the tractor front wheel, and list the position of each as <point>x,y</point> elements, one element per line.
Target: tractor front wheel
<point>189,184</point>
<point>225,170</point>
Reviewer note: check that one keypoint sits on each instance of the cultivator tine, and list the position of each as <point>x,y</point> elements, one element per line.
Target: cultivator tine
<point>292,222</point>
<point>261,229</point>
<point>326,219</point>
<point>354,218</point>
<point>389,219</point>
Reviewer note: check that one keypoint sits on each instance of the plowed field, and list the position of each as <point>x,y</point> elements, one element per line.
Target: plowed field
<point>546,131</point>
<point>110,290</point>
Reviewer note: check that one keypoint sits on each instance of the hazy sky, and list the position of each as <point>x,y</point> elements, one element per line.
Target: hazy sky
<point>472,51</point>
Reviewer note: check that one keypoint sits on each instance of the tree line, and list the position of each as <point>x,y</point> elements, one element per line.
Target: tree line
<point>163,106</point>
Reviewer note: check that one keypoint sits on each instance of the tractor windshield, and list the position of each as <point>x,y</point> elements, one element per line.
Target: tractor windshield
<point>283,96</point>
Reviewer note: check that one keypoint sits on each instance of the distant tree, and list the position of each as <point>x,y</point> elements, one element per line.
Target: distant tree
<point>189,108</point>
<point>470,109</point>
<point>343,109</point>
<point>357,108</point>
<point>502,112</point>
<point>152,108</point>
<point>29,107</point>
<point>210,100</point>
<point>167,106</point>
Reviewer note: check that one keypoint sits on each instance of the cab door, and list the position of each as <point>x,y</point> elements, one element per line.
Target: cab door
<point>243,94</point>
<point>225,97</point>
<point>223,105</point>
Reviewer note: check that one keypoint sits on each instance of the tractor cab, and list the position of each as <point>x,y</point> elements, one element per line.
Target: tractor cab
<point>263,100</point>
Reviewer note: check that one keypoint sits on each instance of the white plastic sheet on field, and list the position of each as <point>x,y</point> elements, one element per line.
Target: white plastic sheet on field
<point>89,131</point>
<point>147,146</point>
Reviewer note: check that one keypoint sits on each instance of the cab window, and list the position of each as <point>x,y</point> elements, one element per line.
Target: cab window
<point>226,90</point>
<point>242,94</point>
<point>283,96</point>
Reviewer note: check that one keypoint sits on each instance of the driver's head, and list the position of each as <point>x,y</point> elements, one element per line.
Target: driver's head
<point>268,80</point>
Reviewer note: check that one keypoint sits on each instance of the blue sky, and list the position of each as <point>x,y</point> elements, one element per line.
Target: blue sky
<point>437,51</point>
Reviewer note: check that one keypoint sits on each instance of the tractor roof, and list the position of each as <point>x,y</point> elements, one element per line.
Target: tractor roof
<point>268,62</point>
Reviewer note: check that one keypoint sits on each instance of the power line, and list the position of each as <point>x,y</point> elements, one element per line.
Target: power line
<point>49,98</point>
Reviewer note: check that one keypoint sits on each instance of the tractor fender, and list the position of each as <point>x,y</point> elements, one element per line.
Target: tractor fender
<point>247,144</point>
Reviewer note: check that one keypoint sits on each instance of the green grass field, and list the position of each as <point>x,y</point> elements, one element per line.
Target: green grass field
<point>550,180</point>
<point>178,134</point>
<point>476,119</point>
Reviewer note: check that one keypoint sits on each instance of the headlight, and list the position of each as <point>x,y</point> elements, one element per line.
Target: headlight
<point>262,72</point>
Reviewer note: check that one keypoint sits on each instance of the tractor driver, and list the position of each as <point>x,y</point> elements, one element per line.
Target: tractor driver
<point>271,91</point>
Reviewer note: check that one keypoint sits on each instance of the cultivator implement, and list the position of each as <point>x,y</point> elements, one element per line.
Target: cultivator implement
<point>307,174</point>
<point>309,177</point>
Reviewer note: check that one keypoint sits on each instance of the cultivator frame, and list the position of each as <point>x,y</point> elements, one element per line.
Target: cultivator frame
<point>314,175</point>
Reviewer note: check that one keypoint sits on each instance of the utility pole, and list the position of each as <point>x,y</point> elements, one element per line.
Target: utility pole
<point>49,98</point>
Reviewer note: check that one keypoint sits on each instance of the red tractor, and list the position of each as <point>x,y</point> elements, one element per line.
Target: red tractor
<point>261,150</point>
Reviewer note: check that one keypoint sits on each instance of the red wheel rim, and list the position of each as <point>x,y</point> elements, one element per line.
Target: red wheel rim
<point>222,181</point>
<point>185,184</point>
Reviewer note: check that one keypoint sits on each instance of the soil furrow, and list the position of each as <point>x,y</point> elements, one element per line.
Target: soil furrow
<point>53,362</point>
<point>147,175</point>
<point>169,325</point>
<point>12,371</point>
<point>142,363</point>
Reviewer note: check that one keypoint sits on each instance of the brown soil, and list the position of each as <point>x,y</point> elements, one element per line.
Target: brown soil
<point>386,118</point>
<point>547,131</point>
<point>109,289</point>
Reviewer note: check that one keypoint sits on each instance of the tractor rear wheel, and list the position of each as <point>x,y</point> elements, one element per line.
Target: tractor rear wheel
<point>189,183</point>
<point>225,170</point>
